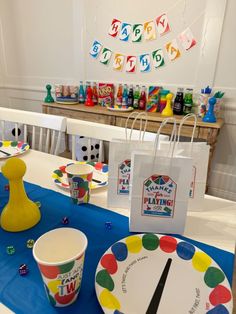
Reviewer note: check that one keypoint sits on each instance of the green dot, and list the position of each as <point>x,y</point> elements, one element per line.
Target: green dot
<point>66,267</point>
<point>150,241</point>
<point>213,277</point>
<point>59,173</point>
<point>14,143</point>
<point>104,279</point>
<point>52,300</point>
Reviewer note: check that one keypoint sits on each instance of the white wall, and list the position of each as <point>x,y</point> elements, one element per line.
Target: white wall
<point>48,41</point>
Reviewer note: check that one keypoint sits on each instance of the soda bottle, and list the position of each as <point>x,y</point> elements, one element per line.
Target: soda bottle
<point>87,84</point>
<point>125,95</point>
<point>89,96</point>
<point>81,93</point>
<point>136,97</point>
<point>179,102</point>
<point>142,99</point>
<point>130,101</point>
<point>188,101</point>
<point>119,96</point>
<point>95,93</point>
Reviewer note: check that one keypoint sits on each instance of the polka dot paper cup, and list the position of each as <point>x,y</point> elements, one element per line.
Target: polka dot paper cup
<point>80,179</point>
<point>60,257</point>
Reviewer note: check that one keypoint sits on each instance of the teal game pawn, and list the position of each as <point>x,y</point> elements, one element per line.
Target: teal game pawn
<point>48,98</point>
<point>210,115</point>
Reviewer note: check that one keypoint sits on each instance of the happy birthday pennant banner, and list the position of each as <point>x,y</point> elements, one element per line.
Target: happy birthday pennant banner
<point>138,31</point>
<point>146,60</point>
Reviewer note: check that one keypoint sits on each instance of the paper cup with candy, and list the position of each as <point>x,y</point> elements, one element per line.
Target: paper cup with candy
<point>79,178</point>
<point>60,257</point>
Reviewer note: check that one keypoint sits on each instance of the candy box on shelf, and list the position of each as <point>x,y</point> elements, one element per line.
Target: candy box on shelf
<point>153,97</point>
<point>105,94</point>
<point>66,93</point>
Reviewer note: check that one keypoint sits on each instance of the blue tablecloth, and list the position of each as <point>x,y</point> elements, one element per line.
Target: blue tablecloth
<point>26,294</point>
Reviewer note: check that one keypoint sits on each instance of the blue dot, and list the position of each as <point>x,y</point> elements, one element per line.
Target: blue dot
<point>117,312</point>
<point>105,168</point>
<point>1,144</point>
<point>120,251</point>
<point>219,309</point>
<point>185,250</point>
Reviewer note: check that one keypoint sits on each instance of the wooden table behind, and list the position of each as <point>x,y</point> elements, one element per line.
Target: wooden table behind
<point>204,131</point>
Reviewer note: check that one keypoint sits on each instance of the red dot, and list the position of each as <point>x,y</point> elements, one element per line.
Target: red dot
<point>89,177</point>
<point>108,261</point>
<point>168,244</point>
<point>98,166</point>
<point>49,272</point>
<point>220,295</point>
<point>63,169</point>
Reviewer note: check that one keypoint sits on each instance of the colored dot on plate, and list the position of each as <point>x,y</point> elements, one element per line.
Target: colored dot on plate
<point>168,244</point>
<point>108,261</point>
<point>220,295</point>
<point>219,309</point>
<point>134,244</point>
<point>185,250</point>
<point>150,241</point>
<point>120,251</point>
<point>213,277</point>
<point>201,261</point>
<point>104,279</point>
<point>108,300</point>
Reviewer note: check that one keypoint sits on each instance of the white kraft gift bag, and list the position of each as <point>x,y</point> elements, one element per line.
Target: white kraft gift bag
<point>120,160</point>
<point>199,152</point>
<point>160,188</point>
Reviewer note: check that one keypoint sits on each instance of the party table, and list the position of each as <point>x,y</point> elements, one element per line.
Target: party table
<point>215,225</point>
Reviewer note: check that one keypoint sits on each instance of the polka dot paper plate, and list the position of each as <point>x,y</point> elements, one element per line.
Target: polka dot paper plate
<point>12,148</point>
<point>151,273</point>
<point>100,175</point>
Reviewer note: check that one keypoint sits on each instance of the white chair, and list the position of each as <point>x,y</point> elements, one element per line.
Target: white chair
<point>103,132</point>
<point>48,128</point>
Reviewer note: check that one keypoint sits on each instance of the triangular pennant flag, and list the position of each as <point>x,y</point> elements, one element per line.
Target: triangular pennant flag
<point>163,26</point>
<point>130,66</point>
<point>187,40</point>
<point>114,28</point>
<point>125,31</point>
<point>145,62</point>
<point>95,49</point>
<point>173,50</point>
<point>118,62</point>
<point>105,56</point>
<point>158,58</point>
<point>149,30</point>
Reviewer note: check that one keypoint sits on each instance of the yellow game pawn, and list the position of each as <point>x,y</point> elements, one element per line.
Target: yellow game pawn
<point>20,213</point>
<point>167,111</point>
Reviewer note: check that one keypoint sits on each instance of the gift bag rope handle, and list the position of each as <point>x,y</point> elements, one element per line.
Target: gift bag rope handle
<point>173,136</point>
<point>136,115</point>
<point>188,116</point>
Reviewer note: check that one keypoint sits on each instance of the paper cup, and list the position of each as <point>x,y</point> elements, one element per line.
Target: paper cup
<point>79,178</point>
<point>60,257</point>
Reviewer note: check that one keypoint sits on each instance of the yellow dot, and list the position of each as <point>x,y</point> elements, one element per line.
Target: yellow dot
<point>6,143</point>
<point>55,176</point>
<point>53,286</point>
<point>108,300</point>
<point>134,244</point>
<point>201,261</point>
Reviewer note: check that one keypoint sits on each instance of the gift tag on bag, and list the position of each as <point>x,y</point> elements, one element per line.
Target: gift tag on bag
<point>159,189</point>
